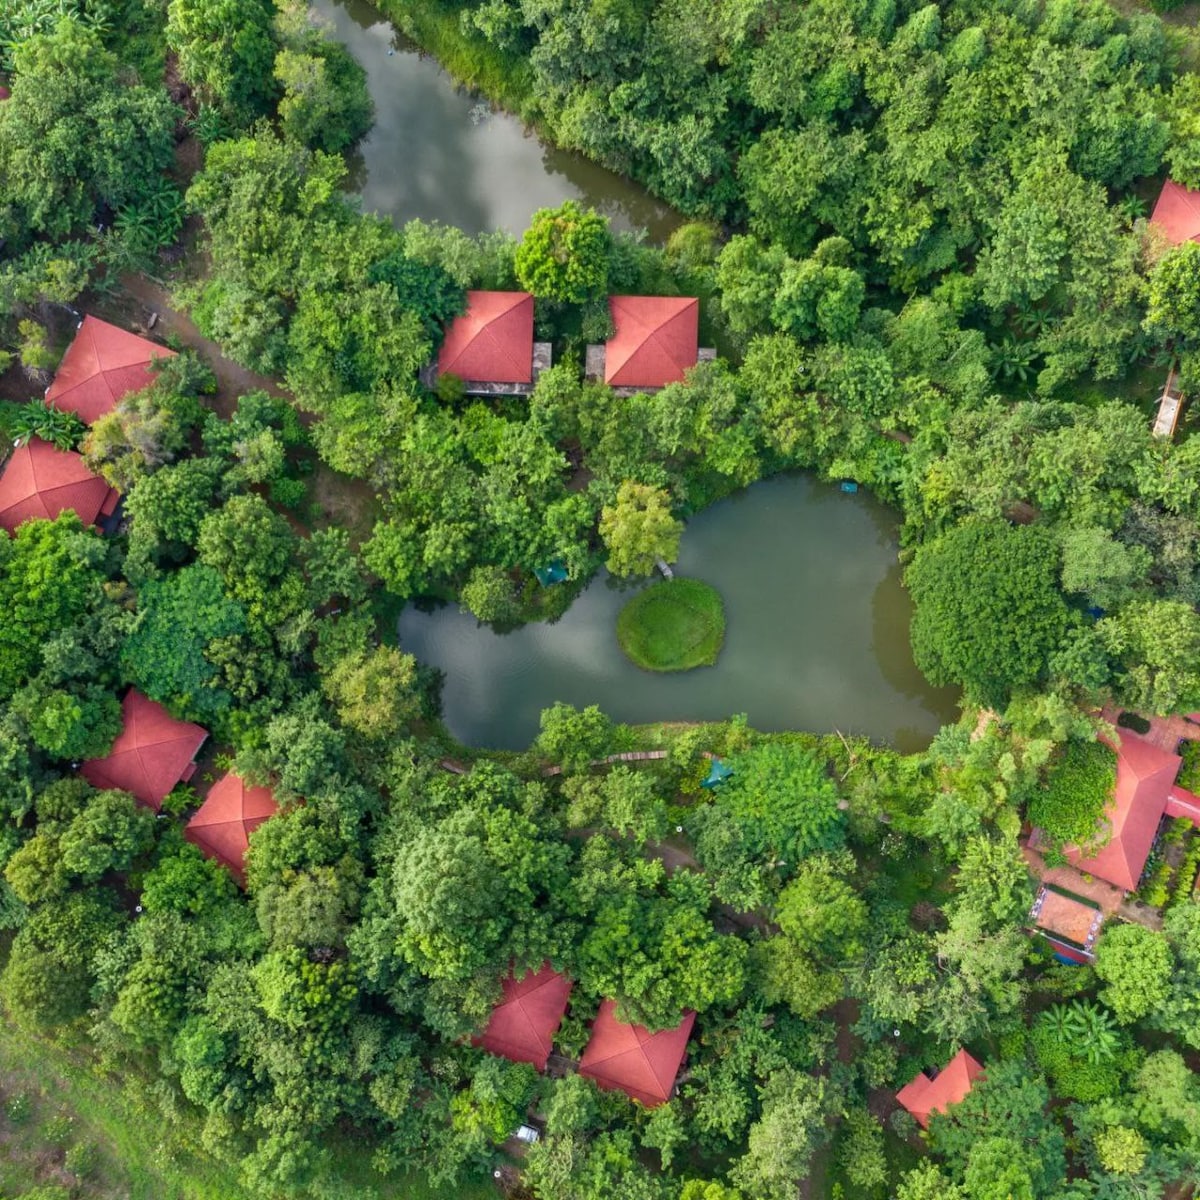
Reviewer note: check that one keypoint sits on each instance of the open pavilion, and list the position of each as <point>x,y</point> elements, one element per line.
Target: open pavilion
<point>222,825</point>
<point>39,482</point>
<point>929,1094</point>
<point>1177,213</point>
<point>1069,923</point>
<point>656,340</point>
<point>1145,780</point>
<point>631,1059</point>
<point>152,753</point>
<point>101,366</point>
<point>522,1026</point>
<point>490,347</point>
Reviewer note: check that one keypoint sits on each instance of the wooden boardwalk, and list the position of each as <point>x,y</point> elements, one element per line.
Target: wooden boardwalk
<point>1169,404</point>
<point>633,756</point>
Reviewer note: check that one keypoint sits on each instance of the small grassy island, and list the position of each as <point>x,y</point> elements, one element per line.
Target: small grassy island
<point>674,625</point>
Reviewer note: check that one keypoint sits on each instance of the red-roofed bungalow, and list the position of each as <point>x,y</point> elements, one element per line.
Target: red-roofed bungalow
<point>523,1024</point>
<point>490,347</point>
<point>40,481</point>
<point>925,1096</point>
<point>224,822</point>
<point>1145,778</point>
<point>102,365</point>
<point>657,339</point>
<point>151,755</point>
<point>1177,213</point>
<point>631,1059</point>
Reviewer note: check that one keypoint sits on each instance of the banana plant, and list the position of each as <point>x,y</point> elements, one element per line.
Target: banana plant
<point>41,420</point>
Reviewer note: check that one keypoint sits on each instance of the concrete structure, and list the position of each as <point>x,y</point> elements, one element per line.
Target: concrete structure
<point>490,347</point>
<point>656,340</point>
<point>1177,213</point>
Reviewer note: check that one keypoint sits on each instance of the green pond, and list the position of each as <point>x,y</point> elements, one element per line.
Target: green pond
<point>817,634</point>
<point>439,152</point>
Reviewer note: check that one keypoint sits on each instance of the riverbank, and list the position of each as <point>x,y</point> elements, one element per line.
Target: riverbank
<point>505,79</point>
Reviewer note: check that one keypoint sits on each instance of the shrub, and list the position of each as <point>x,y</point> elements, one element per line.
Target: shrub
<point>1131,720</point>
<point>1078,786</point>
<point>1189,773</point>
<point>81,1159</point>
<point>19,1108</point>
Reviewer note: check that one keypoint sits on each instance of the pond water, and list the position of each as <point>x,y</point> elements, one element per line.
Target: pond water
<point>817,635</point>
<point>438,151</point>
<point>818,621</point>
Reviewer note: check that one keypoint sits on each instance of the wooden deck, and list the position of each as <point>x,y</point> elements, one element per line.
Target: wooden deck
<point>1169,404</point>
<point>594,363</point>
<point>542,357</point>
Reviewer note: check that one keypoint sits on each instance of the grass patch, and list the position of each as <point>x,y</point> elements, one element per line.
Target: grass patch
<point>673,626</point>
<point>53,1101</point>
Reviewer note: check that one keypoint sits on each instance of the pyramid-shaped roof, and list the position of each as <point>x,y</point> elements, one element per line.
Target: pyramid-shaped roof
<point>1177,213</point>
<point>1145,775</point>
<point>924,1096</point>
<point>631,1059</point>
<point>224,822</point>
<point>657,339</point>
<point>40,481</point>
<point>523,1024</point>
<point>103,364</point>
<point>492,342</point>
<point>151,755</point>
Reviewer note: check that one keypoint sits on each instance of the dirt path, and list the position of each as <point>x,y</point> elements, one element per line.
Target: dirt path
<point>233,380</point>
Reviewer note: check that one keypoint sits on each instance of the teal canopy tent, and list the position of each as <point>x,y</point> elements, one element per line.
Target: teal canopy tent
<point>718,772</point>
<point>553,572</point>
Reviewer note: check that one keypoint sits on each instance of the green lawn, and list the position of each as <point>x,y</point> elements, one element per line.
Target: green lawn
<point>673,626</point>
<point>59,1102</point>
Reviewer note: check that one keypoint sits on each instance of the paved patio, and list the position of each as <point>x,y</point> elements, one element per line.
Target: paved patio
<point>1104,895</point>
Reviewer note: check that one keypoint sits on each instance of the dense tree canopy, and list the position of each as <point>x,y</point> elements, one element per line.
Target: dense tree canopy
<point>988,610</point>
<point>921,259</point>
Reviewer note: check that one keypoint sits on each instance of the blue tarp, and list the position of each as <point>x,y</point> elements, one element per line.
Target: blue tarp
<point>848,485</point>
<point>553,572</point>
<point>718,772</point>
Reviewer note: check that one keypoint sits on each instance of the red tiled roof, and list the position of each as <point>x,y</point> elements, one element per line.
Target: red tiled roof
<point>41,481</point>
<point>1177,213</point>
<point>657,339</point>
<point>224,822</point>
<point>102,365</point>
<point>523,1024</point>
<point>1145,776</point>
<point>924,1096</point>
<point>492,342</point>
<point>1182,803</point>
<point>150,756</point>
<point>631,1059</point>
